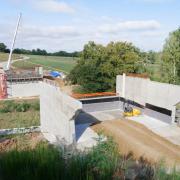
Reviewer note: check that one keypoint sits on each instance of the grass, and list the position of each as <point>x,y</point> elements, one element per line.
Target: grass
<point>178,106</point>
<point>4,56</point>
<point>65,64</point>
<point>19,113</point>
<point>20,142</point>
<point>101,162</point>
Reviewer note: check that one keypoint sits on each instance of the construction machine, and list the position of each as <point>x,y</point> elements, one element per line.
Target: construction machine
<point>129,111</point>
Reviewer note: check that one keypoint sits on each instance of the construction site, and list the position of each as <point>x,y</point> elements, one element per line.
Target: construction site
<point>67,118</point>
<point>142,116</point>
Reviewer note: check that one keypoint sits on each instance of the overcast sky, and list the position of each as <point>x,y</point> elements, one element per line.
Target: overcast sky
<point>67,25</point>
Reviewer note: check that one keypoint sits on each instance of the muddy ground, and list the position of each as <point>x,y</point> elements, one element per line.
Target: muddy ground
<point>134,137</point>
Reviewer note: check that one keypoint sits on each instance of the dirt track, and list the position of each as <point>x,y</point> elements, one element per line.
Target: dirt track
<point>135,137</point>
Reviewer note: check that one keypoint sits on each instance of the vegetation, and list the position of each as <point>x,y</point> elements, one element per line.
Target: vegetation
<point>101,162</point>
<point>98,66</point>
<point>65,64</point>
<point>45,53</point>
<point>3,48</point>
<point>171,58</point>
<point>19,113</point>
<point>4,56</point>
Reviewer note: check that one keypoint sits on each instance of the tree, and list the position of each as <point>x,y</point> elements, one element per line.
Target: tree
<point>151,57</point>
<point>171,58</point>
<point>2,47</point>
<point>98,65</point>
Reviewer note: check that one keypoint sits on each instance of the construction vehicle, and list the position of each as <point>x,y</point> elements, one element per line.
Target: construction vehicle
<point>130,111</point>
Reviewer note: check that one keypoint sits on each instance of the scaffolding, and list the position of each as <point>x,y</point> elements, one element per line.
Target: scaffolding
<point>3,84</point>
<point>23,76</point>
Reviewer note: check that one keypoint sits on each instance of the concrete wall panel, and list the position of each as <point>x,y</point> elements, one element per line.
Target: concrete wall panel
<point>145,91</point>
<point>23,89</point>
<point>58,112</point>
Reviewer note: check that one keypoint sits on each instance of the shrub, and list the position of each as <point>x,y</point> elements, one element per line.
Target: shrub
<point>13,106</point>
<point>22,107</point>
<point>8,106</point>
<point>101,162</point>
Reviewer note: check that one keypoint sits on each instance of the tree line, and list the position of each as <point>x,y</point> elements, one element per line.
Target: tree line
<point>98,66</point>
<point>3,48</point>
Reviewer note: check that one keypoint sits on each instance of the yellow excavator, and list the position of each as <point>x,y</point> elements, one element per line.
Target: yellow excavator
<point>129,111</point>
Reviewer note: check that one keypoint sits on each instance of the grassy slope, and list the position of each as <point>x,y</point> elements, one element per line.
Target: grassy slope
<point>16,119</point>
<point>48,62</point>
<point>4,56</point>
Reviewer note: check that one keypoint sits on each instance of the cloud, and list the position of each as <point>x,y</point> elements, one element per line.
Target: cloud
<point>53,32</point>
<point>130,26</point>
<point>73,37</point>
<point>53,6</point>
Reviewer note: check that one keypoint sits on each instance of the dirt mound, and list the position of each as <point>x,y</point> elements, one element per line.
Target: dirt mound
<point>135,137</point>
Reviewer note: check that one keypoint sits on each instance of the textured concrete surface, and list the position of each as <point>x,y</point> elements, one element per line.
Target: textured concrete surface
<point>102,106</point>
<point>85,136</point>
<point>112,110</point>
<point>135,88</point>
<point>58,111</point>
<point>24,89</point>
<point>145,91</point>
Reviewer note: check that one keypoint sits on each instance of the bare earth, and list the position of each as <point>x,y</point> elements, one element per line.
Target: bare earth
<point>134,137</point>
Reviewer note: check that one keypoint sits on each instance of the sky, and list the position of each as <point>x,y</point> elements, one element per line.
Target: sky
<point>69,24</point>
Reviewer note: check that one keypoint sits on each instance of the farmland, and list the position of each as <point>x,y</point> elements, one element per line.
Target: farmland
<point>4,56</point>
<point>64,64</point>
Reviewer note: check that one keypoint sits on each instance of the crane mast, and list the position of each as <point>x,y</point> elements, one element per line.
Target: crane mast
<point>13,42</point>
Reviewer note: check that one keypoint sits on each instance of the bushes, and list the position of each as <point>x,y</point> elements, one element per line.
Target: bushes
<point>99,65</point>
<point>47,162</point>
<point>18,106</point>
<point>101,162</point>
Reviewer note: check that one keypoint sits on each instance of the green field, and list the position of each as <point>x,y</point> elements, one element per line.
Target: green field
<point>64,64</point>
<point>19,113</point>
<point>4,56</point>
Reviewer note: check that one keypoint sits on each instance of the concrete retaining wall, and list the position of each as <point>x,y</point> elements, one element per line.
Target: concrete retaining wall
<point>145,91</point>
<point>23,89</point>
<point>162,94</point>
<point>135,88</point>
<point>58,112</point>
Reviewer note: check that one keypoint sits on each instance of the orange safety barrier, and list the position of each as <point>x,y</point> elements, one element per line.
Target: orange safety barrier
<point>91,95</point>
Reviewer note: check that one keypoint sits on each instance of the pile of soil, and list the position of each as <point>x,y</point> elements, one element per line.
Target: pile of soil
<point>134,137</point>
